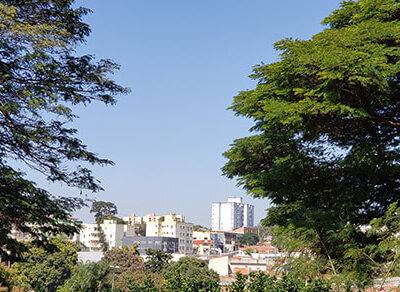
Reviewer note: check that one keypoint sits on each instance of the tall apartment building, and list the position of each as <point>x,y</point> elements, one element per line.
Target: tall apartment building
<point>173,225</point>
<point>232,214</point>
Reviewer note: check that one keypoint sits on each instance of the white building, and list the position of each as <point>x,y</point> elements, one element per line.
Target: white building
<point>173,225</point>
<point>89,235</point>
<point>232,214</point>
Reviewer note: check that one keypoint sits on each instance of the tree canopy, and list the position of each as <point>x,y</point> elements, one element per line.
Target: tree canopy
<point>325,144</point>
<point>44,270</point>
<point>248,239</point>
<point>88,277</point>
<point>103,209</point>
<point>124,258</point>
<point>190,274</point>
<point>41,79</point>
<point>156,260</point>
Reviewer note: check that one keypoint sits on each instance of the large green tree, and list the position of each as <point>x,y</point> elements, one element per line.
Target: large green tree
<point>41,79</point>
<point>103,209</point>
<point>44,270</point>
<point>248,239</point>
<point>325,149</point>
<point>124,259</point>
<point>90,277</point>
<point>156,260</point>
<point>190,274</point>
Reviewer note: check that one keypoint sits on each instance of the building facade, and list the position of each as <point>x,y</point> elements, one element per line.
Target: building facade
<point>90,235</point>
<point>173,225</point>
<point>232,214</point>
<point>202,242</point>
<point>166,244</point>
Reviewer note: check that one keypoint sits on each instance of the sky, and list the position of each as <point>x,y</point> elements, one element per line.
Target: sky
<point>184,60</point>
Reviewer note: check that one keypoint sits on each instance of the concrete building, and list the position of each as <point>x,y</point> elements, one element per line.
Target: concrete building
<point>22,236</point>
<point>224,241</point>
<point>220,264</point>
<point>166,244</point>
<point>173,225</point>
<point>202,242</point>
<point>246,265</point>
<point>232,214</point>
<point>90,234</point>
<point>152,217</point>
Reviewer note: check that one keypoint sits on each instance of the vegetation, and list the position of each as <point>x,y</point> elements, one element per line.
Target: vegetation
<point>260,282</point>
<point>92,277</point>
<point>41,79</point>
<point>190,274</point>
<point>124,259</point>
<point>141,229</point>
<point>199,227</point>
<point>46,269</point>
<point>248,239</point>
<point>325,149</point>
<point>5,278</point>
<point>156,260</point>
<point>103,209</point>
<point>265,231</point>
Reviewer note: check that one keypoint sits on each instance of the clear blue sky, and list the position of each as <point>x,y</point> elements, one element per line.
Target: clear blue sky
<point>184,61</point>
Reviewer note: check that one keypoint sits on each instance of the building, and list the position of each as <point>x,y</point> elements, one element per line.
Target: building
<point>232,214</point>
<point>137,220</point>
<point>112,232</point>
<point>265,251</point>
<point>246,265</point>
<point>166,244</point>
<point>224,241</point>
<point>202,241</point>
<point>173,225</point>
<point>23,236</point>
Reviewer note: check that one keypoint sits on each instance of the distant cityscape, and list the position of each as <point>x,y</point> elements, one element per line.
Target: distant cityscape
<point>171,232</point>
<point>219,245</point>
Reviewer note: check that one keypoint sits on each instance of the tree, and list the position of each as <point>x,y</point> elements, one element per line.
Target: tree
<point>5,278</point>
<point>134,249</point>
<point>325,149</point>
<point>42,270</point>
<point>260,282</point>
<point>91,277</point>
<point>265,231</point>
<point>103,209</point>
<point>41,79</point>
<point>248,239</point>
<point>190,274</point>
<point>141,229</point>
<point>156,260</point>
<point>124,259</point>
<point>139,281</point>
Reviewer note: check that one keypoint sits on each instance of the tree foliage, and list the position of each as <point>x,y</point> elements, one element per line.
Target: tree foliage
<point>103,209</point>
<point>44,270</point>
<point>124,259</point>
<point>41,80</point>
<point>325,149</point>
<point>190,274</point>
<point>91,277</point>
<point>248,239</point>
<point>5,278</point>
<point>260,282</point>
<point>156,260</point>
<point>139,281</point>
